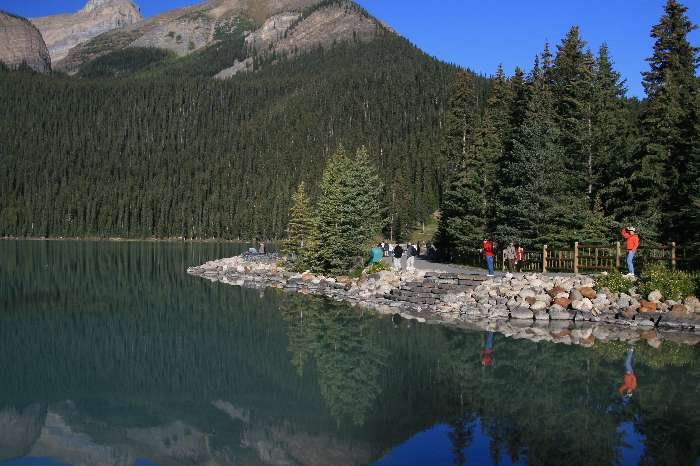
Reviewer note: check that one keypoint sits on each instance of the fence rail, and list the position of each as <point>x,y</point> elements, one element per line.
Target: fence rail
<point>597,257</point>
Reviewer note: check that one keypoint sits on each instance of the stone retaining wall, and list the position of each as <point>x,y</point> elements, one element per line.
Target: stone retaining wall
<point>530,306</point>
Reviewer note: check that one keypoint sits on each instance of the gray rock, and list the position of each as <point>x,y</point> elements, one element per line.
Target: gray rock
<point>557,312</point>
<point>583,304</point>
<point>575,295</point>
<point>539,306</point>
<point>527,293</point>
<point>499,313</point>
<point>542,316</point>
<point>655,296</point>
<point>521,313</point>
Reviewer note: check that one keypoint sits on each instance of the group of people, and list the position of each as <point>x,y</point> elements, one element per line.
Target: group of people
<point>514,255</point>
<point>397,252</point>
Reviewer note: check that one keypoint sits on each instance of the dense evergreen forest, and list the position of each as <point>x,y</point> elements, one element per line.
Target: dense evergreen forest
<point>159,154</point>
<point>561,154</point>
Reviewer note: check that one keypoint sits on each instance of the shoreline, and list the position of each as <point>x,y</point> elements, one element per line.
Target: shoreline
<point>529,306</point>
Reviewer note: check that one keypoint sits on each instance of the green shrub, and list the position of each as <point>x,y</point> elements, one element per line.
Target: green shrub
<point>614,280</point>
<point>671,284</point>
<point>378,267</point>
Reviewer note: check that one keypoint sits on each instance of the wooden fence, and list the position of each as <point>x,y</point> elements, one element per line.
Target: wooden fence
<point>598,258</point>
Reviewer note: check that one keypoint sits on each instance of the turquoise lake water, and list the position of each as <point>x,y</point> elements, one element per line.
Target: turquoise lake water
<point>110,354</point>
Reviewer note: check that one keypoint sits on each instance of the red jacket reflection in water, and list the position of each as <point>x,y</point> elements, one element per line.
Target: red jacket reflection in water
<point>630,381</point>
<point>486,359</point>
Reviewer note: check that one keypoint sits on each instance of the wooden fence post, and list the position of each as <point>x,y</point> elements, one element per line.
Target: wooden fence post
<point>673,255</point>
<point>576,257</point>
<point>544,259</point>
<point>618,255</point>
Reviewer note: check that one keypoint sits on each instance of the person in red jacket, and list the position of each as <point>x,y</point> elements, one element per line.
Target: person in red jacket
<point>489,252</point>
<point>487,354</point>
<point>629,384</point>
<point>632,240</point>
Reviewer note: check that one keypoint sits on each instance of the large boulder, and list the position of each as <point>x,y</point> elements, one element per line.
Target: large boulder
<point>655,296</point>
<point>647,306</point>
<point>521,313</point>
<point>575,295</point>
<point>564,303</point>
<point>587,292</point>
<point>557,312</point>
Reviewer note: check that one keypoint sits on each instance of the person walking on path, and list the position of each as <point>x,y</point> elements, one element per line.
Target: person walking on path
<point>489,252</point>
<point>629,384</point>
<point>398,252</point>
<point>632,242</point>
<point>509,257</point>
<point>519,257</point>
<point>411,252</point>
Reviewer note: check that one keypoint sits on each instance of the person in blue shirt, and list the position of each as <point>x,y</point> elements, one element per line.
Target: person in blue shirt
<point>376,254</point>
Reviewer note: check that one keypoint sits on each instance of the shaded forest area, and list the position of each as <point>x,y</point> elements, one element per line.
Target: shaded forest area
<point>147,156</point>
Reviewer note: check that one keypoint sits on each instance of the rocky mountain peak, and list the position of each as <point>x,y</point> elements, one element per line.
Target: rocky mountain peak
<point>92,5</point>
<point>63,32</point>
<point>21,44</point>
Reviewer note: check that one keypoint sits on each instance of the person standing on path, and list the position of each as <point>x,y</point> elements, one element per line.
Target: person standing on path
<point>630,381</point>
<point>489,252</point>
<point>509,257</point>
<point>519,257</point>
<point>412,252</point>
<point>398,252</point>
<point>632,242</point>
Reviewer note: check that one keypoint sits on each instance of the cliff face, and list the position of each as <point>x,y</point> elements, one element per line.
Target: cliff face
<point>283,27</point>
<point>21,42</point>
<point>63,32</point>
<point>288,34</point>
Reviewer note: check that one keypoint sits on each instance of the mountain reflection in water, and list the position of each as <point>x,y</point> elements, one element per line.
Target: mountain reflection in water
<point>112,355</point>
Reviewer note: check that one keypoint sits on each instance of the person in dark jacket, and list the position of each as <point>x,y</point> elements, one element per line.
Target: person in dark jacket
<point>398,253</point>
<point>411,253</point>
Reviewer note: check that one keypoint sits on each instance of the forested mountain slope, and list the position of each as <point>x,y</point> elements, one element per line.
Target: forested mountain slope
<point>152,155</point>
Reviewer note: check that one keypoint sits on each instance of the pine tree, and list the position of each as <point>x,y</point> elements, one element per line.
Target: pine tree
<point>663,176</point>
<point>299,227</point>
<point>467,210</point>
<point>350,215</point>
<point>461,121</point>
<point>572,84</point>
<point>613,136</point>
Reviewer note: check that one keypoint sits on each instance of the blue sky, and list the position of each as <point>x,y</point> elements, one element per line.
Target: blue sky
<point>480,35</point>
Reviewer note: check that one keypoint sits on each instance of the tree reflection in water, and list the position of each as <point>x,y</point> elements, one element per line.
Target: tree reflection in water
<point>114,345</point>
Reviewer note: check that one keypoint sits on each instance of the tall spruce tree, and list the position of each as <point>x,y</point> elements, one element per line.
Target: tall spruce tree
<point>665,176</point>
<point>461,121</point>
<point>506,178</point>
<point>614,136</point>
<point>541,207</point>
<point>467,211</point>
<point>300,226</point>
<point>572,78</point>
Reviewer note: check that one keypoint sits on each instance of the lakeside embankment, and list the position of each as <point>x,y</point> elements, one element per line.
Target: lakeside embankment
<point>562,309</point>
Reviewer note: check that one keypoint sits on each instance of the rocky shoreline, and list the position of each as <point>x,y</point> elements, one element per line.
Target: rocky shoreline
<point>563,309</point>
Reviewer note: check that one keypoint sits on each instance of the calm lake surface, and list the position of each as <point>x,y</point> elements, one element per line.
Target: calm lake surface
<point>110,354</point>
